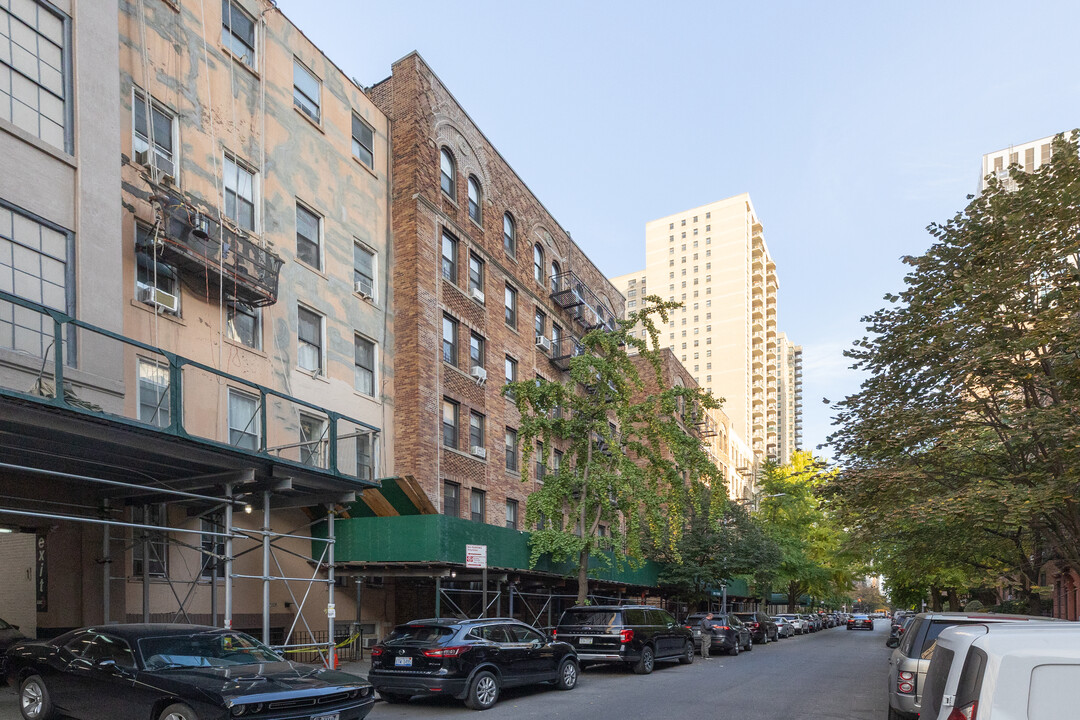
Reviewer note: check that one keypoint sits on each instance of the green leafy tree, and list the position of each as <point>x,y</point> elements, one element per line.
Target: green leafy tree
<point>968,416</point>
<point>629,463</point>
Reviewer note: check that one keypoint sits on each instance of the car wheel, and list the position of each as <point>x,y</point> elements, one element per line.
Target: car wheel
<point>34,700</point>
<point>895,715</point>
<point>688,653</point>
<point>483,692</point>
<point>394,698</point>
<point>178,711</point>
<point>749,643</point>
<point>734,648</point>
<point>568,675</point>
<point>646,662</point>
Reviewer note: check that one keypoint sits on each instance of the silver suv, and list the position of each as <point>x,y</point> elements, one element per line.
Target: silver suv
<point>909,662</point>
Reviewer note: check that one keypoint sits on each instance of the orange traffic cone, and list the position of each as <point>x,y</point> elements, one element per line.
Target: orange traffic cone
<point>334,659</point>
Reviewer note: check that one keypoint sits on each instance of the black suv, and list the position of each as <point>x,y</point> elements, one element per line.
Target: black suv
<point>762,627</point>
<point>468,659</point>
<point>728,633</point>
<point>635,634</point>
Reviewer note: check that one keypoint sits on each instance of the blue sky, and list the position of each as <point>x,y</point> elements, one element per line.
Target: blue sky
<point>851,125</point>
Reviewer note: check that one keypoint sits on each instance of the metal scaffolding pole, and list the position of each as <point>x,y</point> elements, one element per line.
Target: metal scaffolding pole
<point>145,568</point>
<point>331,610</point>
<point>228,557</point>
<point>266,569</point>
<point>105,565</point>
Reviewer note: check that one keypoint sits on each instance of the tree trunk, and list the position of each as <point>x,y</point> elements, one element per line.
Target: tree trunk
<point>792,596</point>
<point>583,577</point>
<point>1034,603</point>
<point>954,600</point>
<point>935,598</point>
<point>583,558</point>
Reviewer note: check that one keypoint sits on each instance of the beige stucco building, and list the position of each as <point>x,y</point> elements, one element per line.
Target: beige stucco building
<point>713,259</point>
<point>789,386</point>
<point>1030,156</point>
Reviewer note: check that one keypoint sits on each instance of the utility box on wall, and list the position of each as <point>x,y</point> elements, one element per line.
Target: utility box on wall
<point>18,601</point>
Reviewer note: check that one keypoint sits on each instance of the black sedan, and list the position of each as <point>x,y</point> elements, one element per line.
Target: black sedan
<point>859,621</point>
<point>9,635</point>
<point>729,633</point>
<point>175,672</point>
<point>471,660</point>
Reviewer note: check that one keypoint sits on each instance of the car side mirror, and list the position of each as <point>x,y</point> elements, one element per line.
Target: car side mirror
<point>892,642</point>
<point>536,644</point>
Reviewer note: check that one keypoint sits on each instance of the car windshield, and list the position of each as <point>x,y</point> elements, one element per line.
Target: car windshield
<point>204,649</point>
<point>4,625</point>
<point>418,634</point>
<point>601,618</point>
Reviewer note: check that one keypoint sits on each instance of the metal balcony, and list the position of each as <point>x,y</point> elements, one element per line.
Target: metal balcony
<point>568,290</point>
<point>200,247</point>
<point>564,350</point>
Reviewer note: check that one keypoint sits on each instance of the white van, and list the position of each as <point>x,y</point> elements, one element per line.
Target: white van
<point>1004,671</point>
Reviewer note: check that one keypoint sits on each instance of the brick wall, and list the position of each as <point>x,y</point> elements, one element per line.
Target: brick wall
<point>425,118</point>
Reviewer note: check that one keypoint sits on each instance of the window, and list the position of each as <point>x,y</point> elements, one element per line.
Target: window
<point>154,407</point>
<point>157,543</point>
<point>238,32</point>
<point>308,237</point>
<point>477,505</point>
<point>449,423</point>
<point>364,365</point>
<point>449,257</point>
<point>160,134</point>
<point>541,466</point>
<point>511,514</point>
<point>451,499</point>
<point>32,87</point>
<point>449,340</point>
<point>213,547</point>
<point>511,373</point>
<point>555,272</point>
<point>540,324</point>
<point>510,302</point>
<point>476,273</point>
<point>476,431</point>
<point>474,201</point>
<point>313,441</point>
<point>239,193</point>
<point>33,264</point>
<point>476,350</point>
<point>363,142</point>
<point>244,425</point>
<point>556,460</point>
<point>156,283</point>
<point>509,235</point>
<point>538,264</point>
<point>310,343</point>
<point>243,324</point>
<point>511,450</point>
<point>363,270</point>
<point>306,91</point>
<point>447,173</point>
<point>365,463</point>
<point>556,335</point>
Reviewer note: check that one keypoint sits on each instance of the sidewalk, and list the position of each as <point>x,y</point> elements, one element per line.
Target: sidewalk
<point>356,667</point>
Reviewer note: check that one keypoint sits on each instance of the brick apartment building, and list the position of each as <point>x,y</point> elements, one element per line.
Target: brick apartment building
<point>478,259</point>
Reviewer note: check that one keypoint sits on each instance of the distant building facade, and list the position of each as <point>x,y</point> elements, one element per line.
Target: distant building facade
<point>1030,156</point>
<point>789,415</point>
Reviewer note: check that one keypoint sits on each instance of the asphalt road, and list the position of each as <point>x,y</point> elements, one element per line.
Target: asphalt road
<point>833,674</point>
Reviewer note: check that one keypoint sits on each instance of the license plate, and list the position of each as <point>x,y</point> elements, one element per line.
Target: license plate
<point>399,662</point>
<point>330,716</point>
<point>585,641</point>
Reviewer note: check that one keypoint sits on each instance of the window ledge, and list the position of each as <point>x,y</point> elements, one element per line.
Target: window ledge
<point>478,225</point>
<point>449,199</point>
<point>315,270</point>
<point>239,61</point>
<point>459,371</point>
<point>241,346</point>
<point>38,143</point>
<point>178,319</point>
<point>364,165</point>
<point>462,453</point>
<point>321,376</point>
<point>313,124</point>
<point>369,300</point>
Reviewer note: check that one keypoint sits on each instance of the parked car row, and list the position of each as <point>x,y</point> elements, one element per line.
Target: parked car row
<point>911,665</point>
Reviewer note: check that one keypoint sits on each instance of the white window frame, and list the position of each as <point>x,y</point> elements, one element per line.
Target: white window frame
<point>256,417</point>
<point>228,42</point>
<point>364,247</point>
<point>357,141</point>
<point>230,332</point>
<point>231,159</point>
<point>317,101</point>
<point>318,242</point>
<point>321,370</point>
<point>140,95</point>
<point>374,365</point>
<point>163,406</point>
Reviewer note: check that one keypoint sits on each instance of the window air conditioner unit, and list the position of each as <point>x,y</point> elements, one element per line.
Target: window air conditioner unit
<point>478,451</point>
<point>142,157</point>
<point>363,288</point>
<point>477,294</point>
<point>479,374</point>
<point>543,342</point>
<point>370,642</point>
<point>160,298</point>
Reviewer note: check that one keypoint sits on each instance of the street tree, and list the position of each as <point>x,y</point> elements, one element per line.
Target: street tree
<point>628,463</point>
<point>969,414</point>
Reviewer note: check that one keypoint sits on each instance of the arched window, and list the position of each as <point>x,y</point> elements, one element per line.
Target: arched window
<point>509,235</point>
<point>448,173</point>
<point>555,270</point>
<point>538,263</point>
<point>474,200</point>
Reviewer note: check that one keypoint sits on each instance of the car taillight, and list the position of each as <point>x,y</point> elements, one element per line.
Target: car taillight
<point>376,651</point>
<point>688,627</point>
<point>554,634</point>
<point>452,651</point>
<point>626,635</point>
<point>722,627</point>
<point>905,682</point>
<point>965,713</point>
<point>757,625</point>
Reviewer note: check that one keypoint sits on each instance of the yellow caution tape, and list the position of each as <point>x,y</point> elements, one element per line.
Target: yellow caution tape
<point>317,648</point>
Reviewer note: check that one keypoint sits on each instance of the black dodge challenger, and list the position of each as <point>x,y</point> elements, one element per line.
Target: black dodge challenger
<point>175,672</point>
